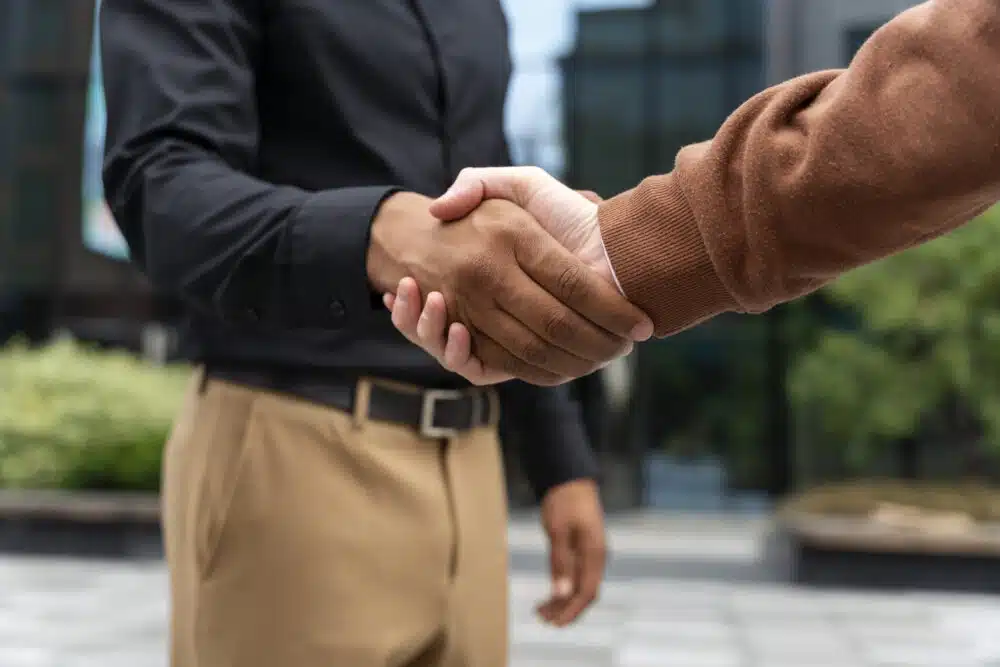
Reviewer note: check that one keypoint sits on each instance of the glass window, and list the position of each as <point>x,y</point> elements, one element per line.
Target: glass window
<point>31,225</point>
<point>6,135</point>
<point>606,125</point>
<point>35,205</point>
<point>38,34</point>
<point>36,108</point>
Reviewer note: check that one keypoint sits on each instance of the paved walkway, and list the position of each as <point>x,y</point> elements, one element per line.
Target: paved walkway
<point>88,614</point>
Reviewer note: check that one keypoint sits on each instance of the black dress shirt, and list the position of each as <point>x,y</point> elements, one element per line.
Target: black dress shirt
<point>249,144</point>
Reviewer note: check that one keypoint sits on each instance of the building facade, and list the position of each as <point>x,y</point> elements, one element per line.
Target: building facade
<point>49,278</point>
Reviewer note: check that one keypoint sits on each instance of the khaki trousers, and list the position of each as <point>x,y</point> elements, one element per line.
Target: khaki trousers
<point>300,536</point>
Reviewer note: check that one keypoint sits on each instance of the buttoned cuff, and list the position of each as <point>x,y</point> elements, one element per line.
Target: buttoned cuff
<point>328,247</point>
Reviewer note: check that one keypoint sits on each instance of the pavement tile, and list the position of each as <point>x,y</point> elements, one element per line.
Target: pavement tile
<point>64,613</point>
<point>658,655</point>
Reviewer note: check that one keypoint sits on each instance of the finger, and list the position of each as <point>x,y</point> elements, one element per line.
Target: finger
<point>406,309</point>
<point>475,185</point>
<point>458,358</point>
<point>432,325</point>
<point>561,327</point>
<point>389,299</point>
<point>522,353</point>
<point>453,348</point>
<point>581,289</point>
<point>561,567</point>
<point>496,357</point>
<point>591,196</point>
<point>590,558</point>
<point>461,199</point>
<point>458,347</point>
<point>541,311</point>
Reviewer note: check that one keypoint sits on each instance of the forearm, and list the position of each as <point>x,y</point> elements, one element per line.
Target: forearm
<point>180,165</point>
<point>821,174</point>
<point>553,443</point>
<point>248,251</point>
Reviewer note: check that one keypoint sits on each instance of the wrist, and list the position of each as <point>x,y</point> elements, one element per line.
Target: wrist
<point>610,268</point>
<point>596,255</point>
<point>395,218</point>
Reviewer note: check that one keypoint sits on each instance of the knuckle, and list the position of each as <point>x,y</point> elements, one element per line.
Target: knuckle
<point>510,365</point>
<point>475,270</point>
<point>558,327</point>
<point>534,171</point>
<point>535,353</point>
<point>570,283</point>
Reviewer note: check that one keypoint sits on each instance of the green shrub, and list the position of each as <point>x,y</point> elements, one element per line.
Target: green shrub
<point>72,417</point>
<point>924,358</point>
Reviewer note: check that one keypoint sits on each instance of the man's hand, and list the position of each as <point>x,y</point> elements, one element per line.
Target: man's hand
<point>569,216</point>
<point>574,521</point>
<point>531,308</point>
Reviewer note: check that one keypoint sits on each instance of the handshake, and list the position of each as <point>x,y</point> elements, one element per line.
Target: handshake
<point>504,276</point>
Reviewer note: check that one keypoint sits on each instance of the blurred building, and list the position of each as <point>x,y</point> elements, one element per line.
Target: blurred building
<point>49,278</point>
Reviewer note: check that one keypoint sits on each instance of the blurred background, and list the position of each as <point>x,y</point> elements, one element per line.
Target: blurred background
<point>851,439</point>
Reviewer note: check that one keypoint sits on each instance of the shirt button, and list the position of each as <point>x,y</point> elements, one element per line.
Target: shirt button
<point>338,310</point>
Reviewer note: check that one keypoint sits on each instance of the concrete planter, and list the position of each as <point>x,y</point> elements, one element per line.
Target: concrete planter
<point>97,525</point>
<point>832,551</point>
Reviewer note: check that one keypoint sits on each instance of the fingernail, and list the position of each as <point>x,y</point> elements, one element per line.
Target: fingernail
<point>642,331</point>
<point>562,588</point>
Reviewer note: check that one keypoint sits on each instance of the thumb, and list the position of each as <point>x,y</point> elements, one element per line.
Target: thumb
<point>562,564</point>
<point>461,199</point>
<point>474,185</point>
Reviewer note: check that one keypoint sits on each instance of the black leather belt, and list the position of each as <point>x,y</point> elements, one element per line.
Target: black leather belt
<point>433,413</point>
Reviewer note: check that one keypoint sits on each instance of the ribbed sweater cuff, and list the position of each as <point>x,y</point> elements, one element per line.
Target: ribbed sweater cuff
<point>658,254</point>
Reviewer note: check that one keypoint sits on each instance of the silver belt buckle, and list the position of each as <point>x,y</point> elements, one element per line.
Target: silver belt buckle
<point>430,399</point>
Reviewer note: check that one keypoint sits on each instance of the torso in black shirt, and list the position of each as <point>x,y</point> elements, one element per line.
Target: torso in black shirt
<point>250,143</point>
<point>400,93</point>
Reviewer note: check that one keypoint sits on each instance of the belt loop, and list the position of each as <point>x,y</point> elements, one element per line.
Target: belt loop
<point>362,401</point>
<point>493,401</point>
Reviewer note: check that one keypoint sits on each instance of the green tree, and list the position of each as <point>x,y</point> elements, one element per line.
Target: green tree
<point>923,359</point>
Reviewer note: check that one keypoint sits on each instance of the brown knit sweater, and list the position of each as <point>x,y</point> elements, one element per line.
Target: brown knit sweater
<point>821,174</point>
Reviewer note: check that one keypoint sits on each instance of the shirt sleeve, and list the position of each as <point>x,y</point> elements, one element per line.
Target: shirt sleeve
<point>180,157</point>
<point>821,174</point>
<point>550,434</point>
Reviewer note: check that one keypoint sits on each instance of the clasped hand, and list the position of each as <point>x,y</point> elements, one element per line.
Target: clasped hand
<point>515,274</point>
